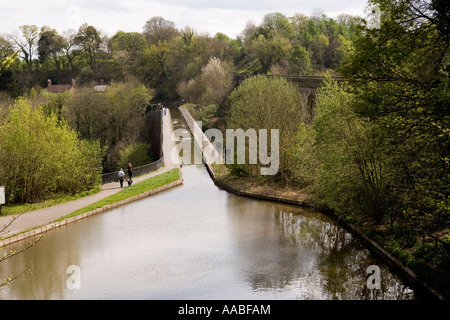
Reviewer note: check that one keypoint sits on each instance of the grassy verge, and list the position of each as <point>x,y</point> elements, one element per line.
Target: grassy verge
<point>134,190</point>
<point>261,186</point>
<point>13,209</point>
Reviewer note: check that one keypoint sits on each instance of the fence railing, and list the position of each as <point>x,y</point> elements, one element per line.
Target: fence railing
<point>137,172</point>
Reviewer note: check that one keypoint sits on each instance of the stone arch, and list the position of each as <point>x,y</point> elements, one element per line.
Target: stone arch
<point>311,106</point>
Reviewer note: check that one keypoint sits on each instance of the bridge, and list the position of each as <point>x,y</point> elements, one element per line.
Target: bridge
<point>305,82</point>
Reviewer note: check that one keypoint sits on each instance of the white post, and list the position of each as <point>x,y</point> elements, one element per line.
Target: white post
<point>2,197</point>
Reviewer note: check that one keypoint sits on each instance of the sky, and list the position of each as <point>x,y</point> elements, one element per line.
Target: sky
<point>205,16</point>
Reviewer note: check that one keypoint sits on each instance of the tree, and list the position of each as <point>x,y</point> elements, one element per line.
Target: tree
<point>342,52</point>
<point>270,50</point>
<point>157,30</point>
<point>351,170</point>
<point>138,154</point>
<point>27,42</point>
<point>128,50</point>
<point>70,48</point>
<point>217,80</point>
<point>155,69</point>
<point>6,48</point>
<point>127,101</point>
<point>262,102</point>
<point>51,47</point>
<point>6,61</point>
<point>128,41</point>
<point>41,156</point>
<point>106,117</point>
<point>399,73</point>
<point>318,50</point>
<point>90,41</point>
<point>88,114</point>
<point>212,86</point>
<point>299,62</point>
<point>277,22</point>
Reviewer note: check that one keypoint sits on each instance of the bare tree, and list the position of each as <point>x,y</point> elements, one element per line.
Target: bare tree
<point>27,42</point>
<point>157,29</point>
<point>70,48</point>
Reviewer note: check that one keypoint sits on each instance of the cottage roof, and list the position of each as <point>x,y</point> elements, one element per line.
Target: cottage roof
<point>59,88</point>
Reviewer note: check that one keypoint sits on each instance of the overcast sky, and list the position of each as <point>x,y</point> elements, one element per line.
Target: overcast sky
<point>211,16</point>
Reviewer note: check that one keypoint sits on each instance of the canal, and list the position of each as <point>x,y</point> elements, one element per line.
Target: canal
<point>199,242</point>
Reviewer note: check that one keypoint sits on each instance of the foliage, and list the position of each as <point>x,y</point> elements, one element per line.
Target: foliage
<point>337,154</point>
<point>41,156</point>
<point>116,117</point>
<point>90,41</point>
<point>164,57</point>
<point>137,154</point>
<point>128,51</point>
<point>399,74</point>
<point>377,149</point>
<point>158,30</point>
<point>207,114</point>
<point>27,42</point>
<point>267,103</point>
<point>211,87</point>
<point>302,157</point>
<point>298,45</point>
<point>7,61</point>
<point>51,46</point>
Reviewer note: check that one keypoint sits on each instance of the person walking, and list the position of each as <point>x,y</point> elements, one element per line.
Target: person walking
<point>130,171</point>
<point>121,176</point>
<point>130,174</point>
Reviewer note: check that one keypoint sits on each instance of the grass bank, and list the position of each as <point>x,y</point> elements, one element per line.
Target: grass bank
<point>13,209</point>
<point>134,190</point>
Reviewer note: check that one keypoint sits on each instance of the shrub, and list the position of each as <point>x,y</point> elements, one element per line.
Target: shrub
<point>136,154</point>
<point>40,155</point>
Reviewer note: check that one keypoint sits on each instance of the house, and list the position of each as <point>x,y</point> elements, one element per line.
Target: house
<point>60,88</point>
<point>100,88</point>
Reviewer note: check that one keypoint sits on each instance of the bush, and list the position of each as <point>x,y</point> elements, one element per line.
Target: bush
<point>207,115</point>
<point>136,154</point>
<point>268,103</point>
<point>40,156</point>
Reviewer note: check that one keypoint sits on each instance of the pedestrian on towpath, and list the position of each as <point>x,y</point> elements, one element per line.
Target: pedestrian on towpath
<point>130,171</point>
<point>121,176</point>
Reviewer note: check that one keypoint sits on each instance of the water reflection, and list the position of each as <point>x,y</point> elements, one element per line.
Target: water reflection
<point>284,248</point>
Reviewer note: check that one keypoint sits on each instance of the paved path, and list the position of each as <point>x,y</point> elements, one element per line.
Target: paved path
<point>45,216</point>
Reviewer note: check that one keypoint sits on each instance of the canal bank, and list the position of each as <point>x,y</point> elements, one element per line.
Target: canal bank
<point>406,273</point>
<point>39,222</point>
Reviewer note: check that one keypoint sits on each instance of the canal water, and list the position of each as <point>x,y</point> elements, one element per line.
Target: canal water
<point>199,242</point>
